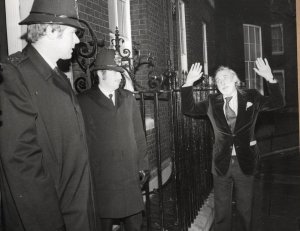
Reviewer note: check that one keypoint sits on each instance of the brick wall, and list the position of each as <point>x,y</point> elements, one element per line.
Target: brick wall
<point>95,12</point>
<point>198,12</point>
<point>150,29</point>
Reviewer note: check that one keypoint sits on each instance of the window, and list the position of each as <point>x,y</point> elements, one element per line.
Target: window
<point>252,50</point>
<point>205,59</point>
<point>119,16</point>
<point>277,39</point>
<point>182,28</point>
<point>279,75</point>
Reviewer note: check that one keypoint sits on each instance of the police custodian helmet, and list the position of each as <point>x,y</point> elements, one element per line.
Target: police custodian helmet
<point>63,12</point>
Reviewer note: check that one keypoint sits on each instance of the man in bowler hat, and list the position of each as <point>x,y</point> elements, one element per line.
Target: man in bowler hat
<point>233,113</point>
<point>45,173</point>
<point>117,146</point>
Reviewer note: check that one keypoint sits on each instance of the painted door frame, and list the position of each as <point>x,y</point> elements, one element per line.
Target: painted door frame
<point>16,10</point>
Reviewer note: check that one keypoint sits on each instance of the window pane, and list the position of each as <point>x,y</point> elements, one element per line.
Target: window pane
<point>257,36</point>
<point>258,51</point>
<point>277,38</point>
<point>246,52</point>
<point>246,35</point>
<point>251,34</point>
<point>252,52</point>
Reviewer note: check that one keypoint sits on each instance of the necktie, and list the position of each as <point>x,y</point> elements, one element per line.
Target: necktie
<point>230,114</point>
<point>111,98</point>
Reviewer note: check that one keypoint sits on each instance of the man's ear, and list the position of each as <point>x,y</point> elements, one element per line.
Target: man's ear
<point>101,75</point>
<point>51,33</point>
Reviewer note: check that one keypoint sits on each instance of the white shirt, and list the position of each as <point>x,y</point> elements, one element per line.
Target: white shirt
<point>233,104</point>
<point>107,93</point>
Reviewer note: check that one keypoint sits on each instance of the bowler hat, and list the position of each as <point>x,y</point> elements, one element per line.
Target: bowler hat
<point>64,12</point>
<point>106,60</point>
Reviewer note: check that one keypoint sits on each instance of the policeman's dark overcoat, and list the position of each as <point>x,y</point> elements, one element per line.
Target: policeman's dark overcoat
<point>117,147</point>
<point>45,174</point>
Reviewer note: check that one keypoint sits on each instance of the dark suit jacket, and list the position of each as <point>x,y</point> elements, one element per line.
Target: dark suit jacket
<point>45,174</point>
<point>117,146</point>
<point>250,103</point>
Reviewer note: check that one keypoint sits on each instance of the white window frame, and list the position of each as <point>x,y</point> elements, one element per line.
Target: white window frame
<point>280,81</point>
<point>182,37</point>
<point>277,52</point>
<point>250,55</point>
<point>114,18</point>
<point>205,53</point>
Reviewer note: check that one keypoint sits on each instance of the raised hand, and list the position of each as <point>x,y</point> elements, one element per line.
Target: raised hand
<point>263,69</point>
<point>193,75</point>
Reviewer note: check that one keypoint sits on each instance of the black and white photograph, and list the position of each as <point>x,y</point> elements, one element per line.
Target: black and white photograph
<point>149,115</point>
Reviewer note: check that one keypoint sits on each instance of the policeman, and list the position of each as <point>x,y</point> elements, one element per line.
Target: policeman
<point>45,173</point>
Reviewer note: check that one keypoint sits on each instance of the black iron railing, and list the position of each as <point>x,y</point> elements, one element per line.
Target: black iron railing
<point>190,152</point>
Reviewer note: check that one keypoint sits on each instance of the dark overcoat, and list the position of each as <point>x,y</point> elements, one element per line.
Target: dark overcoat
<point>45,174</point>
<point>117,148</point>
<point>250,103</point>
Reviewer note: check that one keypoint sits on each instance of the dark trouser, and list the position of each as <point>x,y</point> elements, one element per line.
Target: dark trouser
<point>131,223</point>
<point>243,189</point>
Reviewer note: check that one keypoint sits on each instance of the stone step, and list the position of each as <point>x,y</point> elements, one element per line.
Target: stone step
<point>205,217</point>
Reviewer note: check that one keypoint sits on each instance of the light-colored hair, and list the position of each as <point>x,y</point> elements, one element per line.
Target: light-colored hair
<point>232,73</point>
<point>36,31</point>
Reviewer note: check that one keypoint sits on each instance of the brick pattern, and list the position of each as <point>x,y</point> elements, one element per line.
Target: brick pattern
<point>95,12</point>
<point>150,29</point>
